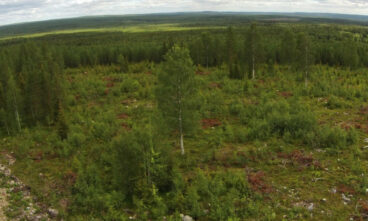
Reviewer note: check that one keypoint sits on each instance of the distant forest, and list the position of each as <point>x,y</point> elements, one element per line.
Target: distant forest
<point>184,19</point>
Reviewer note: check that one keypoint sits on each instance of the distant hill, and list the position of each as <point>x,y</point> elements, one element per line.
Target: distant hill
<point>182,18</point>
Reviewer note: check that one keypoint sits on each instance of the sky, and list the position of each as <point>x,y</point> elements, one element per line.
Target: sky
<point>16,11</point>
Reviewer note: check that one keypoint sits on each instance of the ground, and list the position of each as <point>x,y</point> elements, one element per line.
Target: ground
<point>297,181</point>
<point>3,204</point>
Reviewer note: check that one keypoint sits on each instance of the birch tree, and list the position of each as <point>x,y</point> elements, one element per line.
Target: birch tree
<point>253,48</point>
<point>177,92</point>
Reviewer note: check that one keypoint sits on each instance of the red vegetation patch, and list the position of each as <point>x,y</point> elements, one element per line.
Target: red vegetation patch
<point>64,203</point>
<point>359,126</point>
<point>123,116</point>
<point>224,158</point>
<point>125,126</point>
<point>70,79</point>
<point>111,79</point>
<point>299,157</point>
<point>36,156</point>
<point>199,72</point>
<point>241,154</point>
<point>108,79</point>
<point>70,177</point>
<point>346,126</point>
<point>345,189</point>
<point>257,182</point>
<point>128,101</point>
<point>110,84</point>
<point>361,123</point>
<point>215,85</point>
<point>286,94</point>
<point>207,123</point>
<point>364,208</point>
<point>363,110</point>
<point>92,104</point>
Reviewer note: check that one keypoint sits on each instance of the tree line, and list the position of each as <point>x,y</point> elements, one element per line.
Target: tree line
<point>31,90</point>
<point>251,46</point>
<point>31,73</point>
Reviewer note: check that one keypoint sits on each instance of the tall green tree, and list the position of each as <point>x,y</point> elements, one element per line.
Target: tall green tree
<point>207,42</point>
<point>61,124</point>
<point>13,101</point>
<point>4,75</point>
<point>253,48</point>
<point>123,64</point>
<point>177,92</point>
<point>288,48</point>
<point>232,62</point>
<point>304,55</point>
<point>5,118</point>
<point>349,53</point>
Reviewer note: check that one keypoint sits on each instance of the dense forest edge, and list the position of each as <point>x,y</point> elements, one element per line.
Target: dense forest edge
<point>253,121</point>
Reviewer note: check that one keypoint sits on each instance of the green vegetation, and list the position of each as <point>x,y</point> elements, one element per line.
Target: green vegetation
<point>128,29</point>
<point>273,117</point>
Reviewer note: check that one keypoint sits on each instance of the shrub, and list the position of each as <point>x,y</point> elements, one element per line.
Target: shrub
<point>235,108</point>
<point>129,86</point>
<point>327,137</point>
<point>215,105</point>
<point>76,139</point>
<point>291,121</point>
<point>335,103</point>
<point>241,134</point>
<point>258,129</point>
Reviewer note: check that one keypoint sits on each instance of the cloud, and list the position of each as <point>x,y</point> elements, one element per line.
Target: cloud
<point>14,11</point>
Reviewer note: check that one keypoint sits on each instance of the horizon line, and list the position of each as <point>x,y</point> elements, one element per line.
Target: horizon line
<point>183,12</point>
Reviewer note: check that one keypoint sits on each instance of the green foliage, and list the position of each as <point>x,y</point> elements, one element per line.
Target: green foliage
<point>326,137</point>
<point>61,125</point>
<point>292,120</point>
<point>335,103</point>
<point>253,49</point>
<point>129,86</point>
<point>177,91</point>
<point>103,139</point>
<point>123,64</point>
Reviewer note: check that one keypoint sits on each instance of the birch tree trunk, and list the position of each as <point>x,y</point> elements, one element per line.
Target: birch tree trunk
<point>182,144</point>
<point>7,128</point>
<point>16,112</point>
<point>306,78</point>
<point>207,56</point>
<point>181,130</point>
<point>180,119</point>
<point>306,66</point>
<point>253,70</point>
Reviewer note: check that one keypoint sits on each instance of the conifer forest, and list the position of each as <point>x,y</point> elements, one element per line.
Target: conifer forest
<point>185,116</point>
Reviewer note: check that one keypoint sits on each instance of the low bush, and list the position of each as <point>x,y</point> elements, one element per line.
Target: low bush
<point>327,137</point>
<point>292,121</point>
<point>130,86</point>
<point>335,103</point>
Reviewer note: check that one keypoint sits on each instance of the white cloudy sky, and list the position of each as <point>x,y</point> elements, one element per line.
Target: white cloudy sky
<point>14,11</point>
